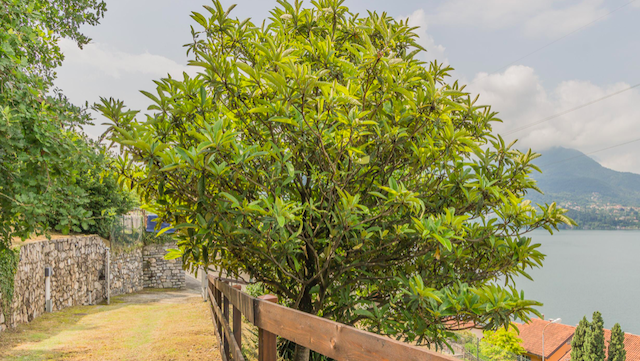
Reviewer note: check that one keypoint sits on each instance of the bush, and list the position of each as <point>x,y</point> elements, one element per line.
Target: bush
<point>41,152</point>
<point>91,198</point>
<point>154,238</point>
<point>501,345</point>
<point>8,266</point>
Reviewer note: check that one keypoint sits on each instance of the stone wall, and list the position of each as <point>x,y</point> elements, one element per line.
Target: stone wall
<point>159,272</point>
<point>126,272</point>
<point>78,272</point>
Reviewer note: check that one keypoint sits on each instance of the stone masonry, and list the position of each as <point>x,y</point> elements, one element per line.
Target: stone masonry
<point>126,272</point>
<point>78,272</point>
<point>159,272</point>
<point>78,276</point>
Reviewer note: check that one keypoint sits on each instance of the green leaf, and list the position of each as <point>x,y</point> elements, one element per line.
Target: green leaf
<point>444,241</point>
<point>363,160</point>
<point>283,120</point>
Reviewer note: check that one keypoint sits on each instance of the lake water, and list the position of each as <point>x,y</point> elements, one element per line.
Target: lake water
<point>587,271</point>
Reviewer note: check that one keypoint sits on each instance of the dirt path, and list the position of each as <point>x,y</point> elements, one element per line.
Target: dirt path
<point>149,325</point>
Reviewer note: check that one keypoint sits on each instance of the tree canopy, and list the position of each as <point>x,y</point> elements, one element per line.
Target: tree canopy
<point>616,350</point>
<point>501,345</point>
<point>578,340</point>
<point>52,175</point>
<point>315,153</point>
<point>594,339</point>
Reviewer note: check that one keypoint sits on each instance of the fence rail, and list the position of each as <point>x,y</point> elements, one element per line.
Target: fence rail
<point>335,340</point>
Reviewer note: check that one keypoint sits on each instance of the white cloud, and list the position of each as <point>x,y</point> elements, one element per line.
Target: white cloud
<point>550,18</point>
<point>520,97</point>
<point>554,22</point>
<point>114,63</point>
<point>434,51</point>
<point>100,70</point>
<point>493,14</point>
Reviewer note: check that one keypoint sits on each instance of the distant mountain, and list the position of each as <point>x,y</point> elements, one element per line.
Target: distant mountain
<point>571,176</point>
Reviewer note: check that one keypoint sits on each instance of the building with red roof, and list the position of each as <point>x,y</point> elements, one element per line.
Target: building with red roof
<point>557,341</point>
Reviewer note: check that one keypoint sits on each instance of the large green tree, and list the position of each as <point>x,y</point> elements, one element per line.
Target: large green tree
<point>578,340</point>
<point>594,339</point>
<point>616,350</point>
<point>318,155</point>
<point>50,173</point>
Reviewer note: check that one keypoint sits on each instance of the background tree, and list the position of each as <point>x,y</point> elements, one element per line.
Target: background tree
<point>578,340</point>
<point>616,350</point>
<point>51,174</point>
<point>501,345</point>
<point>318,155</point>
<point>594,339</point>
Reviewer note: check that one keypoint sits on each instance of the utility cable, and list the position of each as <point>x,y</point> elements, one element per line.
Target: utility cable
<point>564,36</point>
<point>568,111</point>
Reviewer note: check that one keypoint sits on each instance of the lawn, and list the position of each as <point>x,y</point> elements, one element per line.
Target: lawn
<point>150,325</point>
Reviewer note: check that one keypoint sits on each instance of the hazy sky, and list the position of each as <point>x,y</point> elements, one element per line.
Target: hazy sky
<point>141,40</point>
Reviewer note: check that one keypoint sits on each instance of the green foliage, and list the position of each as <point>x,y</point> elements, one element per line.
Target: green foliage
<point>318,155</point>
<point>9,259</point>
<point>41,155</point>
<point>105,197</point>
<point>578,341</point>
<point>594,339</point>
<point>500,345</point>
<point>503,343</point>
<point>603,216</point>
<point>256,289</point>
<point>588,190</point>
<point>91,200</point>
<point>616,350</point>
<point>154,238</point>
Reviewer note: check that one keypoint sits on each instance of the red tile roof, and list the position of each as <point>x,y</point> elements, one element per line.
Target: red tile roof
<point>555,335</point>
<point>631,345</point>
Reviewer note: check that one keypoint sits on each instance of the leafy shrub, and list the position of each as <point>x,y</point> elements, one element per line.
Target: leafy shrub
<point>154,238</point>
<point>40,151</point>
<point>8,266</point>
<point>501,345</point>
<point>90,198</point>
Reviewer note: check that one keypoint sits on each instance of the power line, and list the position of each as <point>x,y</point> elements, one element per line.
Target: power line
<point>596,151</point>
<point>533,124</point>
<point>564,36</point>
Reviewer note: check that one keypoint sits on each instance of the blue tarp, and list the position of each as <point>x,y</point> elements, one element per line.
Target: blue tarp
<point>151,225</point>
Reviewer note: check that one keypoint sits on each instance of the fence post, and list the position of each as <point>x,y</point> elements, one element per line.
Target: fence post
<point>237,322</point>
<point>205,283</point>
<point>217,294</point>
<point>267,348</point>
<point>225,314</point>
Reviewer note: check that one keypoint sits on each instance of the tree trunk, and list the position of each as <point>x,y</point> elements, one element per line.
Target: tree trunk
<point>305,305</point>
<point>301,354</point>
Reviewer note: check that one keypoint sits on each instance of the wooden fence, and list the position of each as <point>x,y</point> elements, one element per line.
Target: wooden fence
<point>332,339</point>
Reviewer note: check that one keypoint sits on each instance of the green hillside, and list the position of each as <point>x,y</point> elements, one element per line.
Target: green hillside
<point>582,179</point>
<point>598,197</point>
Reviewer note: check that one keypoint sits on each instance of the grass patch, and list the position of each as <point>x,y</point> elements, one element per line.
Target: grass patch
<point>131,328</point>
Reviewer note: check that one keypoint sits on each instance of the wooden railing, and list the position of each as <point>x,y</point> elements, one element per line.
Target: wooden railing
<point>332,339</point>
